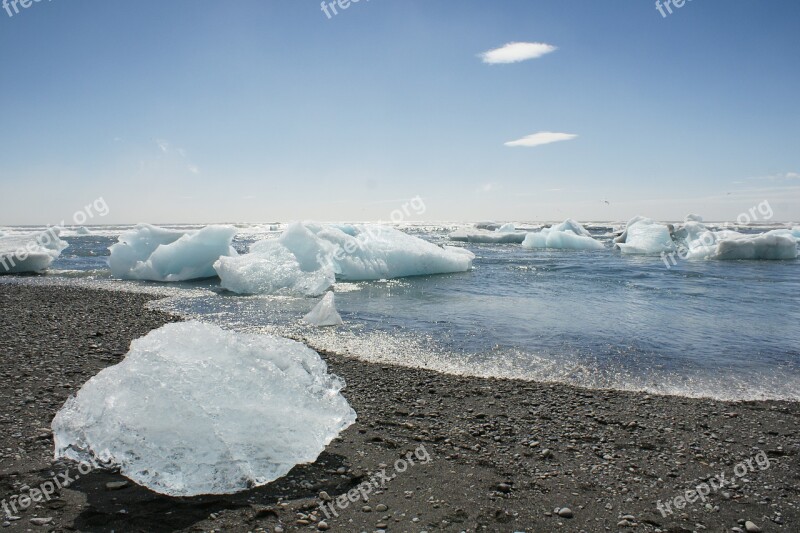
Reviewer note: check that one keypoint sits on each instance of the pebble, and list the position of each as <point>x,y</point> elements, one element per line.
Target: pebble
<point>381,508</point>
<point>323,525</point>
<point>565,512</point>
<point>116,485</point>
<point>41,521</point>
<point>325,497</point>
<point>750,527</point>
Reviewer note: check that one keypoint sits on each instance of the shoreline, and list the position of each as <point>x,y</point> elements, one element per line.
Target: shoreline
<point>503,454</point>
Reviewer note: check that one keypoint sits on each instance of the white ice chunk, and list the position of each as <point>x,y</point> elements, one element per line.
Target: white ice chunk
<point>507,228</point>
<point>309,258</point>
<point>645,236</point>
<point>693,218</point>
<point>194,409</point>
<point>763,246</point>
<point>697,241</point>
<point>488,237</point>
<point>83,230</point>
<point>157,254</point>
<point>31,252</point>
<point>273,270</point>
<point>569,235</point>
<point>324,313</point>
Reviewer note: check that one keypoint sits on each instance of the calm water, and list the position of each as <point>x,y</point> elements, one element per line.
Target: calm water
<point>729,330</point>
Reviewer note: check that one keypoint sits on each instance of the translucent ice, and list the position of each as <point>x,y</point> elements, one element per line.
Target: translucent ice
<point>324,313</point>
<point>309,258</point>
<point>157,254</point>
<point>194,409</point>
<point>569,235</point>
<point>83,231</point>
<point>32,252</point>
<point>645,236</point>
<point>507,228</point>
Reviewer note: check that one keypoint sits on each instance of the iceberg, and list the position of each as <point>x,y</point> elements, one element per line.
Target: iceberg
<point>693,218</point>
<point>697,241</point>
<point>308,258</point>
<point>765,246</point>
<point>83,230</point>
<point>194,409</point>
<point>645,236</point>
<point>569,235</point>
<point>30,253</point>
<point>156,254</point>
<point>324,313</point>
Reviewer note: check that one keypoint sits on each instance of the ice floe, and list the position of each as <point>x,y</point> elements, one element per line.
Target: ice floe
<point>30,252</point>
<point>646,237</point>
<point>148,252</point>
<point>309,258</point>
<point>569,235</point>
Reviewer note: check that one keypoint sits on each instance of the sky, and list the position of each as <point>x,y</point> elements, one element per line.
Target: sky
<point>270,110</point>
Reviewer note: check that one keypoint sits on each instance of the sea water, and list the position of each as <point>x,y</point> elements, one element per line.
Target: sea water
<point>722,329</point>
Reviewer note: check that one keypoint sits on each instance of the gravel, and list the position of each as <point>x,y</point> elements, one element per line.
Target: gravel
<point>452,453</point>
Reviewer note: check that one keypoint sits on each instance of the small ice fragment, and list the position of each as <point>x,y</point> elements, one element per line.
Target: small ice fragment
<point>324,313</point>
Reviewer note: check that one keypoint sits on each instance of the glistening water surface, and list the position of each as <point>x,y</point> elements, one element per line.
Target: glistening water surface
<point>726,329</point>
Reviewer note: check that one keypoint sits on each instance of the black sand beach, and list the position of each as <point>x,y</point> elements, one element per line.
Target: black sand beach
<point>477,454</point>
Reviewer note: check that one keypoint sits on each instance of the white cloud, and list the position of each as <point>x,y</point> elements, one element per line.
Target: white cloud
<point>543,137</point>
<point>163,145</point>
<point>487,187</point>
<point>516,52</point>
<point>193,169</point>
<point>781,176</point>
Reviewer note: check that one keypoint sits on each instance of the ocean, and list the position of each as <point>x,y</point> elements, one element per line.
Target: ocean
<point>728,330</point>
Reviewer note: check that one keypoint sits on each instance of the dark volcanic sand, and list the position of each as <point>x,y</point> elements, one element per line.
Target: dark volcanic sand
<point>611,454</point>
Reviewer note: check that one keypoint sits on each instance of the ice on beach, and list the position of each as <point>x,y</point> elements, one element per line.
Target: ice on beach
<point>483,236</point>
<point>309,258</point>
<point>31,252</point>
<point>646,237</point>
<point>569,235</point>
<point>324,313</point>
<point>151,253</point>
<point>83,231</point>
<point>194,409</point>
<point>693,218</point>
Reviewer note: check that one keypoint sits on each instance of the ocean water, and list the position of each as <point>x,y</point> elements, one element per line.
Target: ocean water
<point>723,329</point>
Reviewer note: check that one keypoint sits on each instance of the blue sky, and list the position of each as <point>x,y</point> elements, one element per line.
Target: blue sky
<point>267,110</point>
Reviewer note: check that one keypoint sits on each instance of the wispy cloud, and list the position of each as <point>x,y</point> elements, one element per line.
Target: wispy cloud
<point>166,148</point>
<point>516,52</point>
<point>543,137</point>
<point>781,176</point>
<point>488,187</point>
